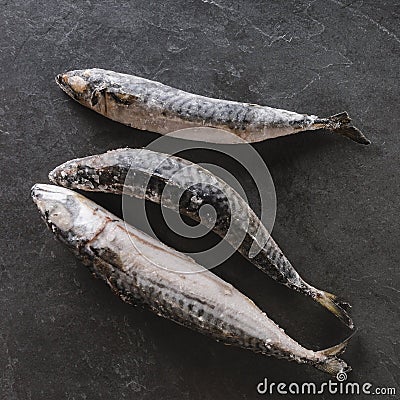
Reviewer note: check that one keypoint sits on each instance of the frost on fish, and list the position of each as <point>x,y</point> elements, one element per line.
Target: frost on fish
<point>135,266</point>
<point>194,187</point>
<point>153,106</point>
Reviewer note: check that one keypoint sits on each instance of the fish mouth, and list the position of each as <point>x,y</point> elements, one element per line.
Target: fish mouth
<point>37,192</point>
<point>74,84</point>
<point>56,207</point>
<point>60,79</point>
<point>62,82</point>
<point>42,193</point>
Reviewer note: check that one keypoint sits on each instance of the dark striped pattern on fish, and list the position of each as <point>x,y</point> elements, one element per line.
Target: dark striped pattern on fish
<point>153,106</point>
<point>136,267</point>
<point>152,171</point>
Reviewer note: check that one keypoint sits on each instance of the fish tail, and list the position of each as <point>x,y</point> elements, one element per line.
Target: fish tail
<point>334,305</point>
<point>340,123</point>
<point>330,362</point>
<point>333,366</point>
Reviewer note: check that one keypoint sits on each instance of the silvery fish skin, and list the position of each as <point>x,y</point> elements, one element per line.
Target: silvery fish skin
<point>153,106</point>
<point>136,267</point>
<point>151,172</point>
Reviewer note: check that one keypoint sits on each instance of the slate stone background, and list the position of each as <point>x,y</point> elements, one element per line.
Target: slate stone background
<point>64,335</point>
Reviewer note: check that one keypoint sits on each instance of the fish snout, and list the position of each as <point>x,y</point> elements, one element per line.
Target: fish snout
<point>35,193</point>
<point>41,192</point>
<point>52,202</point>
<point>38,192</point>
<point>60,79</point>
<point>60,175</point>
<point>75,84</point>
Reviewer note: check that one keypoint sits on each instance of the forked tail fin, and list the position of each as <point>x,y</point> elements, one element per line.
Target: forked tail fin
<point>335,306</point>
<point>340,123</point>
<point>332,364</point>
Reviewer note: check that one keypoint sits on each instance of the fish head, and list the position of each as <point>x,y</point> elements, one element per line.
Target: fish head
<point>85,173</point>
<point>73,218</point>
<point>85,86</point>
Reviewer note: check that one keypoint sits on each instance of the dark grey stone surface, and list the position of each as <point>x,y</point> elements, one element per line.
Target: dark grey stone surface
<point>64,335</point>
